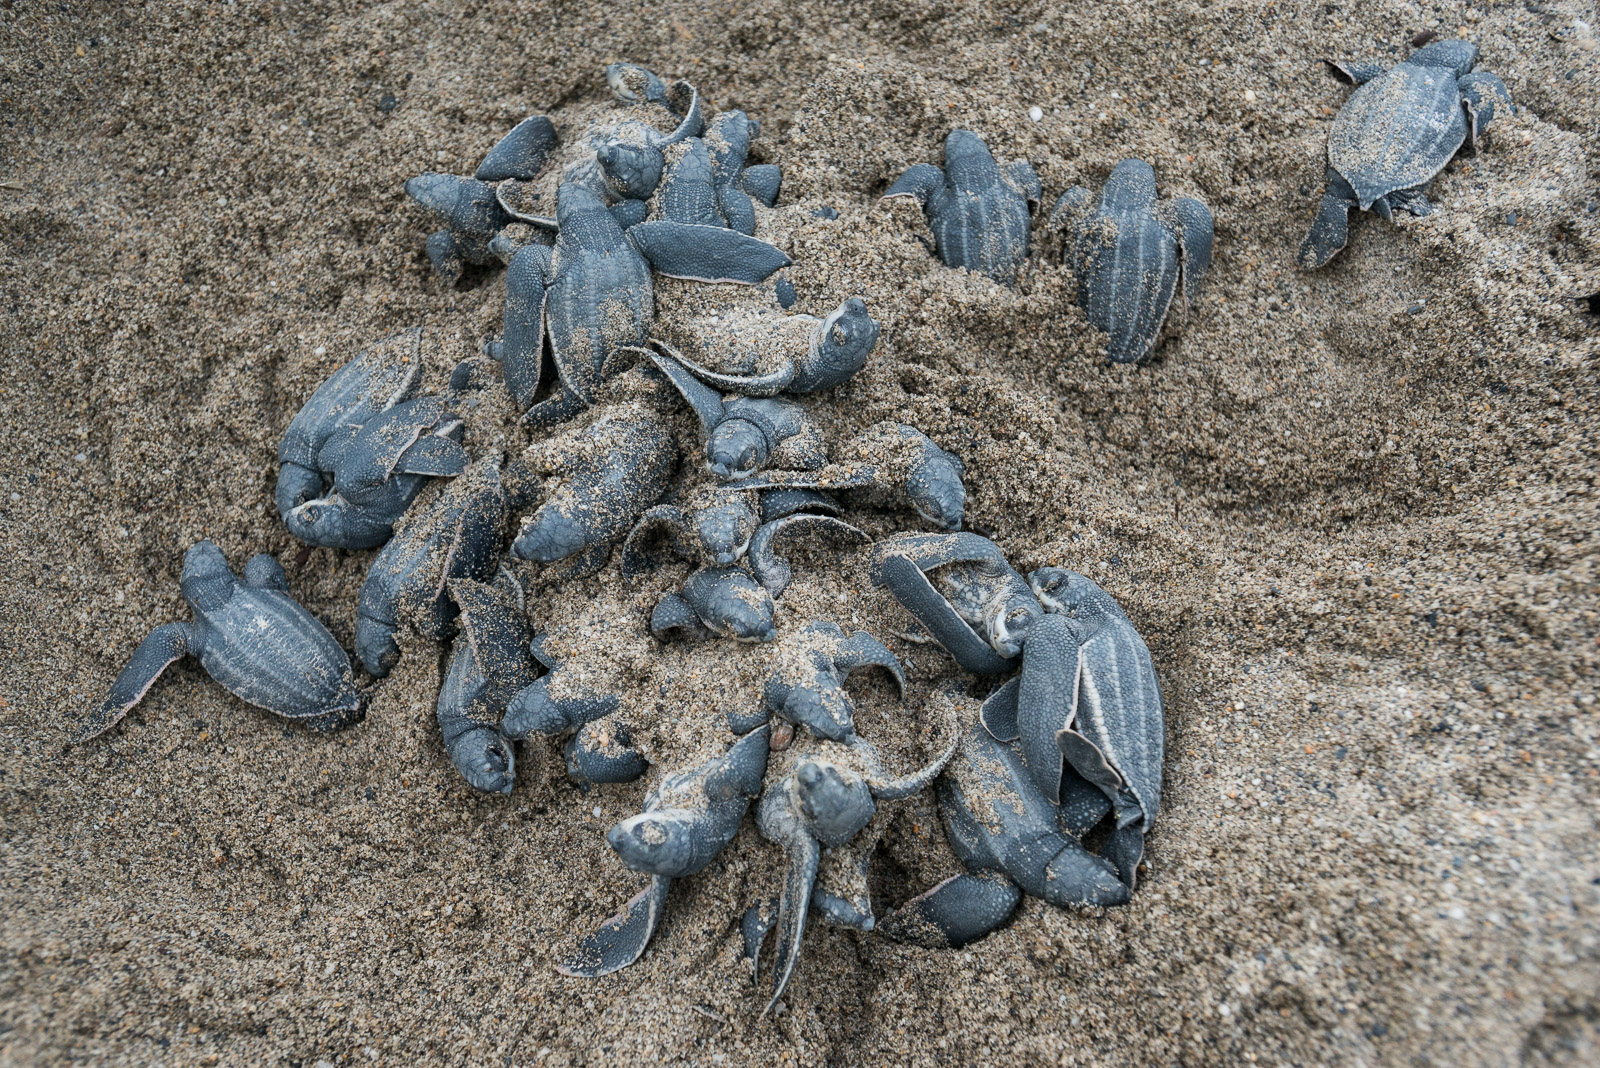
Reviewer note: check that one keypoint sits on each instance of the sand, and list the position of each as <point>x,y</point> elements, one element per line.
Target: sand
<point>1352,512</point>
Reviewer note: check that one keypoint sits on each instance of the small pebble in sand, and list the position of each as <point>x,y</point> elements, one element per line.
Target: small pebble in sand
<point>1036,113</point>
<point>1250,96</point>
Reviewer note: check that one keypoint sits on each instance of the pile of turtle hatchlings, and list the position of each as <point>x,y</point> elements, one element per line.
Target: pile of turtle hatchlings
<point>651,184</point>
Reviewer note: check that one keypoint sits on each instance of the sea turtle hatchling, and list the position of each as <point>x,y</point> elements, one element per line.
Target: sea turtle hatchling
<point>759,354</point>
<point>250,636</point>
<point>744,434</point>
<point>1013,842</point>
<point>828,795</point>
<point>806,685</point>
<point>687,820</point>
<point>489,662</point>
<point>720,529</point>
<point>459,535</point>
<point>1139,263</point>
<point>375,380</point>
<point>1398,129</point>
<point>610,473</point>
<point>980,212</point>
<point>378,469</point>
<point>725,602</point>
<point>887,462</point>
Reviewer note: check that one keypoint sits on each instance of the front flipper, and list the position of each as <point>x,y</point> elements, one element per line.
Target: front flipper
<point>921,181</point>
<point>896,789</point>
<point>1353,72</point>
<point>705,402</point>
<point>772,571</point>
<point>1330,231</point>
<point>622,939</point>
<point>521,348</point>
<point>793,908</point>
<point>1047,699</point>
<point>263,572</point>
<point>674,619</point>
<point>958,911</point>
<point>435,455</point>
<point>662,523</point>
<point>916,594</point>
<point>999,712</point>
<point>705,253</point>
<point>164,645</point>
<point>1088,761</point>
<point>1124,848</point>
<point>534,711</point>
<point>520,153</point>
<point>1195,234</point>
<point>863,650</point>
<point>767,385</point>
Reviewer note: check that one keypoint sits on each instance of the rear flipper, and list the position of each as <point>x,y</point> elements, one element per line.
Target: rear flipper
<point>763,182</point>
<point>758,919</point>
<point>603,751</point>
<point>1353,72</point>
<point>738,208</point>
<point>1331,229</point>
<point>705,253</point>
<point>1022,175</point>
<point>1414,201</point>
<point>630,213</point>
<point>164,645</point>
<point>999,712</point>
<point>1196,231</point>
<point>622,939</point>
<point>956,912</point>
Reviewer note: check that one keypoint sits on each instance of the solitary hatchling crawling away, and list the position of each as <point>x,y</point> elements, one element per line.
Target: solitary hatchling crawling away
<point>250,636</point>
<point>1396,132</point>
<point>1139,263</point>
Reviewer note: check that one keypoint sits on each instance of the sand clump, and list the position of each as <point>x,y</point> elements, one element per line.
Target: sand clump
<point>1351,511</point>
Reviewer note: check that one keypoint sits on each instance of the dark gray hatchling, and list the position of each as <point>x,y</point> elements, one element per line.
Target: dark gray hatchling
<point>827,797</point>
<point>489,663</point>
<point>593,296</point>
<point>611,473</point>
<point>1012,841</point>
<point>687,820</point>
<point>1398,129</point>
<point>378,470</point>
<point>980,213</point>
<point>722,602</point>
<point>761,355</point>
<point>457,536</point>
<point>806,685</point>
<point>745,434</point>
<point>1101,711</point>
<point>886,464</point>
<point>251,637</point>
<point>470,207</point>
<point>1139,263</point>
<point>375,380</point>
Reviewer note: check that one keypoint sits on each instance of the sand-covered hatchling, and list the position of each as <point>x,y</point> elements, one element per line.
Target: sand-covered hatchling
<point>980,213</point>
<point>1397,131</point>
<point>757,353</point>
<point>1138,261</point>
<point>252,637</point>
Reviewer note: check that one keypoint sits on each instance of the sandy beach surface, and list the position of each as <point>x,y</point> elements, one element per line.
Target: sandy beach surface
<point>1352,511</point>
